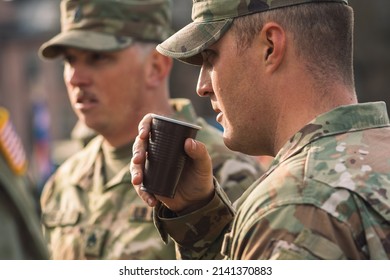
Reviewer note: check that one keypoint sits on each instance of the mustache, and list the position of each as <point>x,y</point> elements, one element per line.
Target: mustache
<point>83,95</point>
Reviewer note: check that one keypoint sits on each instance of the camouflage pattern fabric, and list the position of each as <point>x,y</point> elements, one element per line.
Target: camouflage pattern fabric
<point>326,196</point>
<point>211,20</point>
<point>86,218</point>
<point>109,25</point>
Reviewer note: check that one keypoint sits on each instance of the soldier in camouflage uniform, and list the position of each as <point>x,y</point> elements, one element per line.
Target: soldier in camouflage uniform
<point>20,233</point>
<point>114,76</point>
<point>280,75</point>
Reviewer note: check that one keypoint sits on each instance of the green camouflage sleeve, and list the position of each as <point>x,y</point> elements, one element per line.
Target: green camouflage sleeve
<point>294,232</point>
<point>199,235</point>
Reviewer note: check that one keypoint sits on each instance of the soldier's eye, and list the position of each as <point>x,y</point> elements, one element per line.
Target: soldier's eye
<point>208,55</point>
<point>98,56</point>
<point>68,59</point>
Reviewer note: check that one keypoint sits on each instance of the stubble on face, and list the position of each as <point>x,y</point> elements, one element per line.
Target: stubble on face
<point>238,85</point>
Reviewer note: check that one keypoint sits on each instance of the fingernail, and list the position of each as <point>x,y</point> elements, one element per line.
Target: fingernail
<point>141,131</point>
<point>193,144</point>
<point>150,201</point>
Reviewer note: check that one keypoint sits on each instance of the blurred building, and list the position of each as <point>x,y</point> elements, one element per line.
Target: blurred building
<point>32,90</point>
<point>26,82</point>
<point>372,49</point>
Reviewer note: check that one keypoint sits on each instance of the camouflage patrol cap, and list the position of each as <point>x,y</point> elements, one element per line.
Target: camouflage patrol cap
<point>211,19</point>
<point>109,25</point>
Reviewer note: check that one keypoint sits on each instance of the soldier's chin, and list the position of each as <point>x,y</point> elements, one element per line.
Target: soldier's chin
<point>238,144</point>
<point>232,145</point>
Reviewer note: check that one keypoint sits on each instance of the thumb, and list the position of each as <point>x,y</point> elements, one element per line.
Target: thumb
<point>197,151</point>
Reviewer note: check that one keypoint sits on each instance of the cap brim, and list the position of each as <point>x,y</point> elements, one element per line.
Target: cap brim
<point>87,40</point>
<point>187,44</point>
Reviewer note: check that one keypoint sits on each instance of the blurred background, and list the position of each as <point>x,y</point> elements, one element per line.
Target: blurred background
<point>34,93</point>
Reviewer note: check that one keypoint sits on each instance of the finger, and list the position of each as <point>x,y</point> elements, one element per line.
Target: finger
<point>137,162</point>
<point>136,174</point>
<point>139,150</point>
<point>144,126</point>
<point>198,152</point>
<point>145,196</point>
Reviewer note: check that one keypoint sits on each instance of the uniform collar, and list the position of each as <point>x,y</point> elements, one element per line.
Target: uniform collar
<point>85,169</point>
<point>339,120</point>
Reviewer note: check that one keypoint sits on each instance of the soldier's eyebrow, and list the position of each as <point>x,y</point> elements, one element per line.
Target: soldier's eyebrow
<point>67,58</point>
<point>207,53</point>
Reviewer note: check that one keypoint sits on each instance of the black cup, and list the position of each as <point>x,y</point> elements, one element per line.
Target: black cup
<point>165,154</point>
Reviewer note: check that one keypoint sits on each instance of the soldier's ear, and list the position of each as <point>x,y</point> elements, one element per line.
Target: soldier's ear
<point>273,39</point>
<point>159,68</point>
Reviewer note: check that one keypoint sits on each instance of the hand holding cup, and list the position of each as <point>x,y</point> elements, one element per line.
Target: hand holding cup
<point>165,154</point>
<point>195,183</point>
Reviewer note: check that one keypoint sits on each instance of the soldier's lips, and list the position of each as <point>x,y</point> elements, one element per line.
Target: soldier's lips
<point>86,105</point>
<point>85,100</point>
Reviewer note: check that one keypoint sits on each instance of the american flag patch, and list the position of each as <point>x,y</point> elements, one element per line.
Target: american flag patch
<point>10,145</point>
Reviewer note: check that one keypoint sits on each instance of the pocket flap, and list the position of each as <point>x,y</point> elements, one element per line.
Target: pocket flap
<point>53,219</point>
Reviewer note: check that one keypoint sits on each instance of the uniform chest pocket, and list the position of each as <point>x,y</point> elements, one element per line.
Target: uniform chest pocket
<point>54,219</point>
<point>138,213</point>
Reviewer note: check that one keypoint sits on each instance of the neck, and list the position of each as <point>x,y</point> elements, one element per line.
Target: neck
<point>306,104</point>
<point>127,133</point>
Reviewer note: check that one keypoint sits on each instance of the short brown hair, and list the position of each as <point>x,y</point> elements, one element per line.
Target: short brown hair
<point>323,36</point>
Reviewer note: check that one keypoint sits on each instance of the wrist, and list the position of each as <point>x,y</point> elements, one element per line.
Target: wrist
<point>196,205</point>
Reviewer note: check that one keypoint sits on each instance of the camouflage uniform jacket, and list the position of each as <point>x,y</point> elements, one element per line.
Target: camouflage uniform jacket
<point>325,196</point>
<point>85,218</point>
<point>20,234</point>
